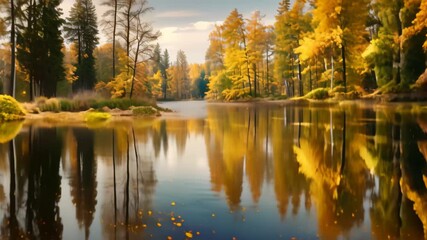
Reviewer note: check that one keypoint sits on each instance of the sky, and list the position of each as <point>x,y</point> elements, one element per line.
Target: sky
<point>186,24</point>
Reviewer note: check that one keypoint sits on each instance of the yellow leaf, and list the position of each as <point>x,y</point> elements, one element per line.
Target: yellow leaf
<point>159,224</point>
<point>189,234</point>
<point>173,203</point>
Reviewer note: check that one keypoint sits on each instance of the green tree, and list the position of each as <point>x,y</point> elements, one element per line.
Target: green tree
<point>395,53</point>
<point>81,29</point>
<point>40,46</point>
<point>164,66</point>
<point>156,59</point>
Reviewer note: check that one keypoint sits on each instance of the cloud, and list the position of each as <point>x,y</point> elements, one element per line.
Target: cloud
<point>192,39</point>
<point>178,14</point>
<point>193,27</point>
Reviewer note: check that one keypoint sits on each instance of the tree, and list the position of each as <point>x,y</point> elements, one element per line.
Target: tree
<point>112,24</point>
<point>340,33</point>
<point>40,45</point>
<point>156,59</point>
<point>291,25</point>
<point>236,54</point>
<point>142,50</point>
<point>257,37</point>
<point>164,66</point>
<point>11,90</point>
<point>180,78</point>
<point>395,53</point>
<point>419,24</point>
<point>215,53</point>
<point>82,30</point>
<point>3,30</point>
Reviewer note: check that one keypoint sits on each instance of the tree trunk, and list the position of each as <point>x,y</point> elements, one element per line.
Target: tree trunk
<point>255,79</point>
<point>344,68</point>
<point>301,87</point>
<point>332,72</point>
<point>11,87</point>
<point>114,38</point>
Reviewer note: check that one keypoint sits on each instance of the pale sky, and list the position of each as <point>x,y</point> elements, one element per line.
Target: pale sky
<point>186,24</point>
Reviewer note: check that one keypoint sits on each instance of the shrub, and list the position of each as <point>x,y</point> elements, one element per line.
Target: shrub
<point>10,109</point>
<point>144,111</point>
<point>50,105</point>
<point>120,103</point>
<point>96,116</point>
<point>319,93</point>
<point>67,105</point>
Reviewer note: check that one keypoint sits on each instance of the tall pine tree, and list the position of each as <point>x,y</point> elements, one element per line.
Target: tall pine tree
<point>82,30</point>
<point>39,46</point>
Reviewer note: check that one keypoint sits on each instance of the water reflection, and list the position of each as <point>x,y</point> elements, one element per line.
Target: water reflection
<point>237,171</point>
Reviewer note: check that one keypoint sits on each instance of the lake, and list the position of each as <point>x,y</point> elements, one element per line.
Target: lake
<point>220,171</point>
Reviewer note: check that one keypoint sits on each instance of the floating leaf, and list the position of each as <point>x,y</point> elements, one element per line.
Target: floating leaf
<point>189,234</point>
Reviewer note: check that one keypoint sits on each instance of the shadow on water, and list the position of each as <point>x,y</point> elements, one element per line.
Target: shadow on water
<point>298,172</point>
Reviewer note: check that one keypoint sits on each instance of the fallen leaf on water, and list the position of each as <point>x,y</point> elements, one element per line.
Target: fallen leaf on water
<point>159,224</point>
<point>150,212</point>
<point>172,219</point>
<point>189,234</point>
<point>173,203</point>
<point>178,224</point>
<point>169,238</point>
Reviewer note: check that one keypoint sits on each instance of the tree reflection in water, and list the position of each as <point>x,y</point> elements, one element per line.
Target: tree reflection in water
<point>350,170</point>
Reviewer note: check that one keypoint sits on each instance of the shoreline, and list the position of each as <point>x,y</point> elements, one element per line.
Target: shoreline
<point>119,116</point>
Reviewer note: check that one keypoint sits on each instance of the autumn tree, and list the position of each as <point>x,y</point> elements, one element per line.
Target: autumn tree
<point>3,4</point>
<point>257,36</point>
<point>103,64</point>
<point>215,53</point>
<point>340,34</point>
<point>180,84</point>
<point>82,30</point>
<point>142,47</point>
<point>419,24</point>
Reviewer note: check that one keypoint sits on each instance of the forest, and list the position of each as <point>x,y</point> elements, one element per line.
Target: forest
<point>314,48</point>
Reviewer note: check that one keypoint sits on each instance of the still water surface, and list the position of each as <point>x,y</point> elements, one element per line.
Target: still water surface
<point>216,171</point>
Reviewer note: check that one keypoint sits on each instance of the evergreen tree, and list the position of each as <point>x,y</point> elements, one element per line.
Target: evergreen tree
<point>81,29</point>
<point>164,66</point>
<point>39,46</point>
<point>156,59</point>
